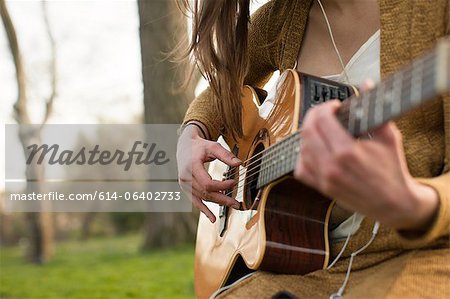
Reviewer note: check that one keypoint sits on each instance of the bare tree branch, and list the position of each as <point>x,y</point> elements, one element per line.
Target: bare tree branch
<point>53,94</point>
<point>40,223</point>
<point>20,107</point>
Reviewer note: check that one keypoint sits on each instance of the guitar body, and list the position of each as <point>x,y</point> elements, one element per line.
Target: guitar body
<point>283,226</point>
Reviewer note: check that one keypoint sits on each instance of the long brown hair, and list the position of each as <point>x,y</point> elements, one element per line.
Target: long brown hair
<point>219,47</point>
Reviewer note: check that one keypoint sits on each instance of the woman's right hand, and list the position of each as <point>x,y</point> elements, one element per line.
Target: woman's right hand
<point>192,175</point>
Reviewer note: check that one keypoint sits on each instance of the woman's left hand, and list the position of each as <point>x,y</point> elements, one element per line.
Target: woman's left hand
<point>369,176</point>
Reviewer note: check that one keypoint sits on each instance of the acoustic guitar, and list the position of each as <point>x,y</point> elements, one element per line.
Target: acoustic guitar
<point>282,225</point>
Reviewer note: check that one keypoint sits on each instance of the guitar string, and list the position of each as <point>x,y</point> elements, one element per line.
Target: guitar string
<point>346,107</point>
<point>289,149</point>
<point>409,74</point>
<point>254,176</point>
<point>271,148</point>
<point>286,148</point>
<point>365,98</point>
<point>294,137</point>
<point>262,166</point>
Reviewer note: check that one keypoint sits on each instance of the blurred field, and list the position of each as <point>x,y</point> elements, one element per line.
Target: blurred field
<point>99,268</point>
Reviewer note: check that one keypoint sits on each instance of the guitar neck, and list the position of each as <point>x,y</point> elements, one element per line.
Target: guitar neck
<point>423,80</point>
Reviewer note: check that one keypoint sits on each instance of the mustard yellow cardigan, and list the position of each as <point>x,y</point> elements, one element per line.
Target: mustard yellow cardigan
<point>408,29</point>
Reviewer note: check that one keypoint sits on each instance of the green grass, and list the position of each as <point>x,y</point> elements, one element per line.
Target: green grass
<point>100,268</point>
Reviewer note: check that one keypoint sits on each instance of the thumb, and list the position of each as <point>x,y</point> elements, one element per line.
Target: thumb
<point>388,134</point>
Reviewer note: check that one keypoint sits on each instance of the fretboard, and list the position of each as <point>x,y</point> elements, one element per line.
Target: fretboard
<point>424,79</point>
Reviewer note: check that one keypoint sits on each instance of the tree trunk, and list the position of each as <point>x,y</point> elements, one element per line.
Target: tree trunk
<point>40,224</point>
<point>86,225</point>
<point>162,26</point>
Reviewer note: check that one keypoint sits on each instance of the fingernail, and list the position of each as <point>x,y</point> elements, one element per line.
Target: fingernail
<point>236,160</point>
<point>235,206</point>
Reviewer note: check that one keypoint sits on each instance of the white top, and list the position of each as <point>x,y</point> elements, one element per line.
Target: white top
<point>364,64</point>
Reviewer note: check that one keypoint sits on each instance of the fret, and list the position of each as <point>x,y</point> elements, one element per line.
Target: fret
<point>429,75</point>
<point>266,166</point>
<point>290,155</point>
<point>429,81</point>
<point>277,158</point>
<point>398,104</point>
<point>416,82</point>
<point>293,154</point>
<point>284,156</point>
<point>358,116</point>
<point>442,83</point>
<point>395,98</point>
<point>373,99</point>
<point>405,98</point>
<point>280,161</point>
<point>378,117</point>
<point>262,167</point>
<point>343,114</point>
<point>351,117</point>
<point>365,113</point>
<point>272,162</point>
<point>250,165</point>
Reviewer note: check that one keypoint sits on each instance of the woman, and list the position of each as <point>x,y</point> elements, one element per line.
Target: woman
<point>405,165</point>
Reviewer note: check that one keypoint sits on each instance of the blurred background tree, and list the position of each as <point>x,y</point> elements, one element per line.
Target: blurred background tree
<point>162,27</point>
<point>40,232</point>
<point>113,68</point>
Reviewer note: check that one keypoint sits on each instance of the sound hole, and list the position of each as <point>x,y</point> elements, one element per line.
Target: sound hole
<point>253,169</point>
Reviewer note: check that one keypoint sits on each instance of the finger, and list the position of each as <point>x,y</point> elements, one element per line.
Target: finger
<point>313,155</point>
<point>313,149</point>
<point>304,174</point>
<point>215,197</point>
<point>207,183</point>
<point>313,145</point>
<point>198,203</point>
<point>335,137</point>
<point>187,187</point>
<point>367,85</point>
<point>387,134</point>
<point>219,152</point>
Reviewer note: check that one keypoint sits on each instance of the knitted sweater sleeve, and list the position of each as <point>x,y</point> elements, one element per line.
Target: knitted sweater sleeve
<point>261,66</point>
<point>441,224</point>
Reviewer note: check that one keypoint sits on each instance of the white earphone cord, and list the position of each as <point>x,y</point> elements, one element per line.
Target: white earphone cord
<point>333,41</point>
<point>341,290</point>
<point>377,224</point>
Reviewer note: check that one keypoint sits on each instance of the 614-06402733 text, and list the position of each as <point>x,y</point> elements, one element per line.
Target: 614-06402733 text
<point>98,195</point>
